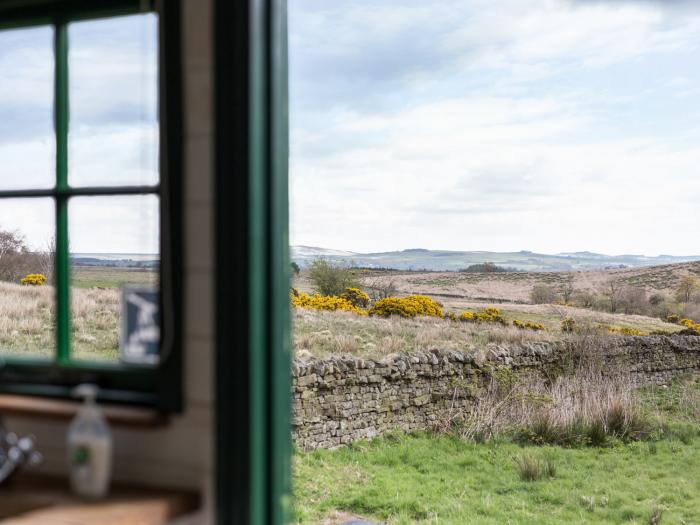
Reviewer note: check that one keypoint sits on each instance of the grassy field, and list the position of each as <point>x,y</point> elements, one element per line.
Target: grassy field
<point>27,313</point>
<point>101,277</point>
<point>426,478</point>
<point>322,333</point>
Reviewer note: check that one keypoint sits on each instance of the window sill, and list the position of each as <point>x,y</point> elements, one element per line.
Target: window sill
<point>41,500</point>
<point>46,408</point>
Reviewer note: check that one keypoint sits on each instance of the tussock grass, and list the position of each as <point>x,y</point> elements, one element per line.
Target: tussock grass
<point>534,468</point>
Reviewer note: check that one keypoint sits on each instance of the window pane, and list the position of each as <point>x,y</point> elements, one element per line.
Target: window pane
<point>114,245</point>
<point>27,146</point>
<point>26,271</point>
<point>113,137</point>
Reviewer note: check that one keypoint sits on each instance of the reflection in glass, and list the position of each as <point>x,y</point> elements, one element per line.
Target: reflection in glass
<point>27,145</point>
<point>113,138</point>
<point>114,247</point>
<point>27,297</point>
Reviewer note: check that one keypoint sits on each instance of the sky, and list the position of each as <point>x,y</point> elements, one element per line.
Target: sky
<point>113,132</point>
<point>543,125</point>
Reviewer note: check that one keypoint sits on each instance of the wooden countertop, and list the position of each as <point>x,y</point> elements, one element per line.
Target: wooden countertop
<point>34,500</point>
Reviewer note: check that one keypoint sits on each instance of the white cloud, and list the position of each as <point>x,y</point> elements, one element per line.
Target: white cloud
<point>547,126</point>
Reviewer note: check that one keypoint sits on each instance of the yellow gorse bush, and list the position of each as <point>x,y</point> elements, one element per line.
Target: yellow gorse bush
<point>411,306</point>
<point>624,330</point>
<point>356,297</point>
<point>528,325</point>
<point>487,315</point>
<point>33,279</point>
<point>328,302</point>
<point>689,324</point>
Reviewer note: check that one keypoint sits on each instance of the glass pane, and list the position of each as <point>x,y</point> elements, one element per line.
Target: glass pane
<point>113,137</point>
<point>26,273</point>
<point>115,256</point>
<point>27,145</point>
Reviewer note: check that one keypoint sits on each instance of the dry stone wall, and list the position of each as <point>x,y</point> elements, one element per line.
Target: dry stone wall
<point>343,399</point>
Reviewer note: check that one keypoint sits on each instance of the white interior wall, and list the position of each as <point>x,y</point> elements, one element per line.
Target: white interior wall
<point>179,454</point>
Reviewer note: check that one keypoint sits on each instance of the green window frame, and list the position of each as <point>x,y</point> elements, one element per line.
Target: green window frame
<point>253,384</point>
<point>156,386</point>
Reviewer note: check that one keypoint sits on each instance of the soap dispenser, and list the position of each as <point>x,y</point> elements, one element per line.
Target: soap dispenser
<point>89,446</point>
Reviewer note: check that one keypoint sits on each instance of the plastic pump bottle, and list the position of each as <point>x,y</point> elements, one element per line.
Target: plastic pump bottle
<point>89,447</point>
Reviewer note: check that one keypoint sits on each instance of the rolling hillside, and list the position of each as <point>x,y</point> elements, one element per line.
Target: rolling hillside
<point>443,260</point>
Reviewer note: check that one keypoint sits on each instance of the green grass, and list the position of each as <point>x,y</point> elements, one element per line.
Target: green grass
<point>428,478</point>
<point>103,277</point>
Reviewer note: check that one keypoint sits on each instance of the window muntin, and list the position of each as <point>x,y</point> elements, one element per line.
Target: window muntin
<point>157,385</point>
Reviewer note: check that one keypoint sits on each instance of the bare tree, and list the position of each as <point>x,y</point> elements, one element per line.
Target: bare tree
<point>47,259</point>
<point>612,290</point>
<point>687,288</point>
<point>380,288</point>
<point>543,294</point>
<point>567,289</point>
<point>13,255</point>
<point>633,299</point>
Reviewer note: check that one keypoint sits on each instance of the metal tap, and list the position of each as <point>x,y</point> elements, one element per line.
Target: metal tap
<point>16,451</point>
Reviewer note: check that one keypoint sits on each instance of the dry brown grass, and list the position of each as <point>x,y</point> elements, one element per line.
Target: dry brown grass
<point>27,325</point>
<point>323,333</point>
<point>583,408</point>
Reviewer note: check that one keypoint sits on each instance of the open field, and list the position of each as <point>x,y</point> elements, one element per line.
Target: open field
<point>322,333</point>
<point>27,314</point>
<point>429,478</point>
<point>105,277</point>
<point>515,287</point>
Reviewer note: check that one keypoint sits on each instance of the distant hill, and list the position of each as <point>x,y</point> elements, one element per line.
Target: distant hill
<point>445,260</point>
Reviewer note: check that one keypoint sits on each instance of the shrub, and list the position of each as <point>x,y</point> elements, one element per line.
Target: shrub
<point>33,279</point>
<point>331,279</point>
<point>624,330</point>
<point>356,297</point>
<point>527,325</point>
<point>568,325</point>
<point>295,268</point>
<point>325,302</point>
<point>411,306</point>
<point>673,318</point>
<point>543,294</point>
<point>466,317</point>
<point>487,315</point>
